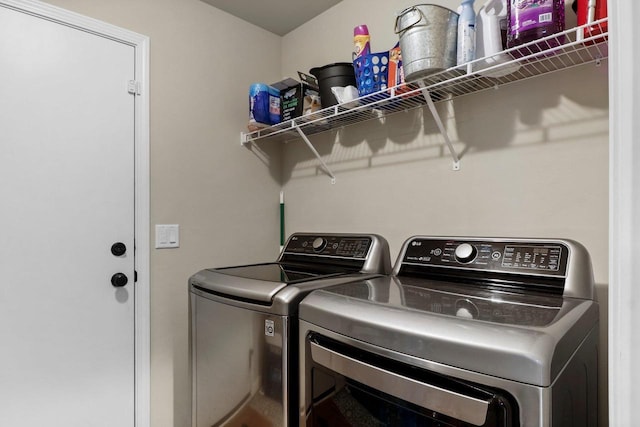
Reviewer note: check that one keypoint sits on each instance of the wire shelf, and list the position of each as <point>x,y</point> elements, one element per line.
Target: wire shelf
<point>571,48</point>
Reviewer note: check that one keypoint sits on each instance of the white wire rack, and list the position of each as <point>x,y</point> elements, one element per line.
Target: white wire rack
<point>571,48</point>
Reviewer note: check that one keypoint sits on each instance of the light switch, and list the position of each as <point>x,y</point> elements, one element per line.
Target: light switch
<point>167,236</point>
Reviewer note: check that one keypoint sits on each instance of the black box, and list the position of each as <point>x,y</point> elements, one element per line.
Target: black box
<point>296,98</point>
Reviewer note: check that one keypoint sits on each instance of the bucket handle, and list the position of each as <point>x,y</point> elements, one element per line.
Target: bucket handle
<point>404,12</point>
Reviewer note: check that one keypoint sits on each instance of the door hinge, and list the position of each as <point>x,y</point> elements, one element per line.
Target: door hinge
<point>134,87</point>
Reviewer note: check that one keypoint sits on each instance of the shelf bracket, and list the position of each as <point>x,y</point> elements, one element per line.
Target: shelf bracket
<point>315,152</point>
<point>443,131</point>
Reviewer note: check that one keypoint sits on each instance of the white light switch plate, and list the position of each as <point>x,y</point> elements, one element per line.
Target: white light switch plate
<point>167,236</point>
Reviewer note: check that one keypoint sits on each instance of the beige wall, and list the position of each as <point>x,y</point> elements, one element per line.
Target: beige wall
<point>534,157</point>
<point>202,63</point>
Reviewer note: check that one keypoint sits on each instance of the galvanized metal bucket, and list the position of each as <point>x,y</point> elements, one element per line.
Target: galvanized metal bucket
<point>428,35</point>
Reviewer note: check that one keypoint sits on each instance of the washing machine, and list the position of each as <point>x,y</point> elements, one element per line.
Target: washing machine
<point>466,332</point>
<point>244,326</point>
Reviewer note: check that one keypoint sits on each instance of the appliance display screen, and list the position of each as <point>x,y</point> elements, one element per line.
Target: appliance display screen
<point>532,257</point>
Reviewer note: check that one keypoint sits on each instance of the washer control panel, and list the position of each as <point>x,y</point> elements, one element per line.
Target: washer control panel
<point>329,245</point>
<point>535,257</point>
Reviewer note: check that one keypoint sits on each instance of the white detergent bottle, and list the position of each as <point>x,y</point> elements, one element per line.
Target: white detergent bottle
<point>466,33</point>
<point>491,32</point>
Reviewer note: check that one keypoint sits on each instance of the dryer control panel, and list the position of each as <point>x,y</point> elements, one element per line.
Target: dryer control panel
<point>527,257</point>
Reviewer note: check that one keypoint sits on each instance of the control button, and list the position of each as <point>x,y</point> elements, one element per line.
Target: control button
<point>437,251</point>
<point>465,253</point>
<point>319,244</point>
<point>496,255</point>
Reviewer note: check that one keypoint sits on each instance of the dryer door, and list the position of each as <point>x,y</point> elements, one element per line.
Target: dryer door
<point>356,388</point>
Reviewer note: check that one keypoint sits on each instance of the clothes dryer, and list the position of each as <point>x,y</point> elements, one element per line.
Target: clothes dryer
<point>466,332</point>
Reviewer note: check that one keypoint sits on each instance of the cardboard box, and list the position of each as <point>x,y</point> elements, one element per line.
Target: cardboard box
<point>395,72</point>
<point>298,98</point>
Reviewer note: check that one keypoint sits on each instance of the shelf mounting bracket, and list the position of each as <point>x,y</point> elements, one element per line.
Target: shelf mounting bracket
<point>443,131</point>
<point>315,152</point>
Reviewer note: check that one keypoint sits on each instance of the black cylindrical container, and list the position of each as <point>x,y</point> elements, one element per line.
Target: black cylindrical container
<point>339,74</point>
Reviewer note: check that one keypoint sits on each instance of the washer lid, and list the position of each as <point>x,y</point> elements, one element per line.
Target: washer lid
<point>522,337</point>
<point>260,282</point>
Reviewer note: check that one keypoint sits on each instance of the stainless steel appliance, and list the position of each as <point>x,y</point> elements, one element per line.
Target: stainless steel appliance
<point>466,332</point>
<point>244,327</point>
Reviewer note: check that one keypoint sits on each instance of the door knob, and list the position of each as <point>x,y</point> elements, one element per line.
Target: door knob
<point>118,249</point>
<point>119,280</point>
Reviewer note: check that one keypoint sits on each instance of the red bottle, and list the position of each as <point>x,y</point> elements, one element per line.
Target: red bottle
<point>589,11</point>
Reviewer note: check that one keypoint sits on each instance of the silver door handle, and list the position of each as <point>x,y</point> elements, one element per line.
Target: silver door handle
<point>447,402</point>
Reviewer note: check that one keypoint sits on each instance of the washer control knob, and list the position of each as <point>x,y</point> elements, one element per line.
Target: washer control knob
<point>465,253</point>
<point>319,244</point>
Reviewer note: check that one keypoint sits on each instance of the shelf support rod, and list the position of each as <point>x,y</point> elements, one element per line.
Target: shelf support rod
<point>315,152</point>
<point>443,131</point>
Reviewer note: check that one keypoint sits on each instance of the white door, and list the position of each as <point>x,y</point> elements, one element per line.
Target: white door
<point>66,195</point>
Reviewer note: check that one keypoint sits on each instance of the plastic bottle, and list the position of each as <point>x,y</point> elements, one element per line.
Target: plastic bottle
<point>491,40</point>
<point>491,28</point>
<point>589,11</point>
<point>361,41</point>
<point>466,33</point>
<point>531,20</point>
